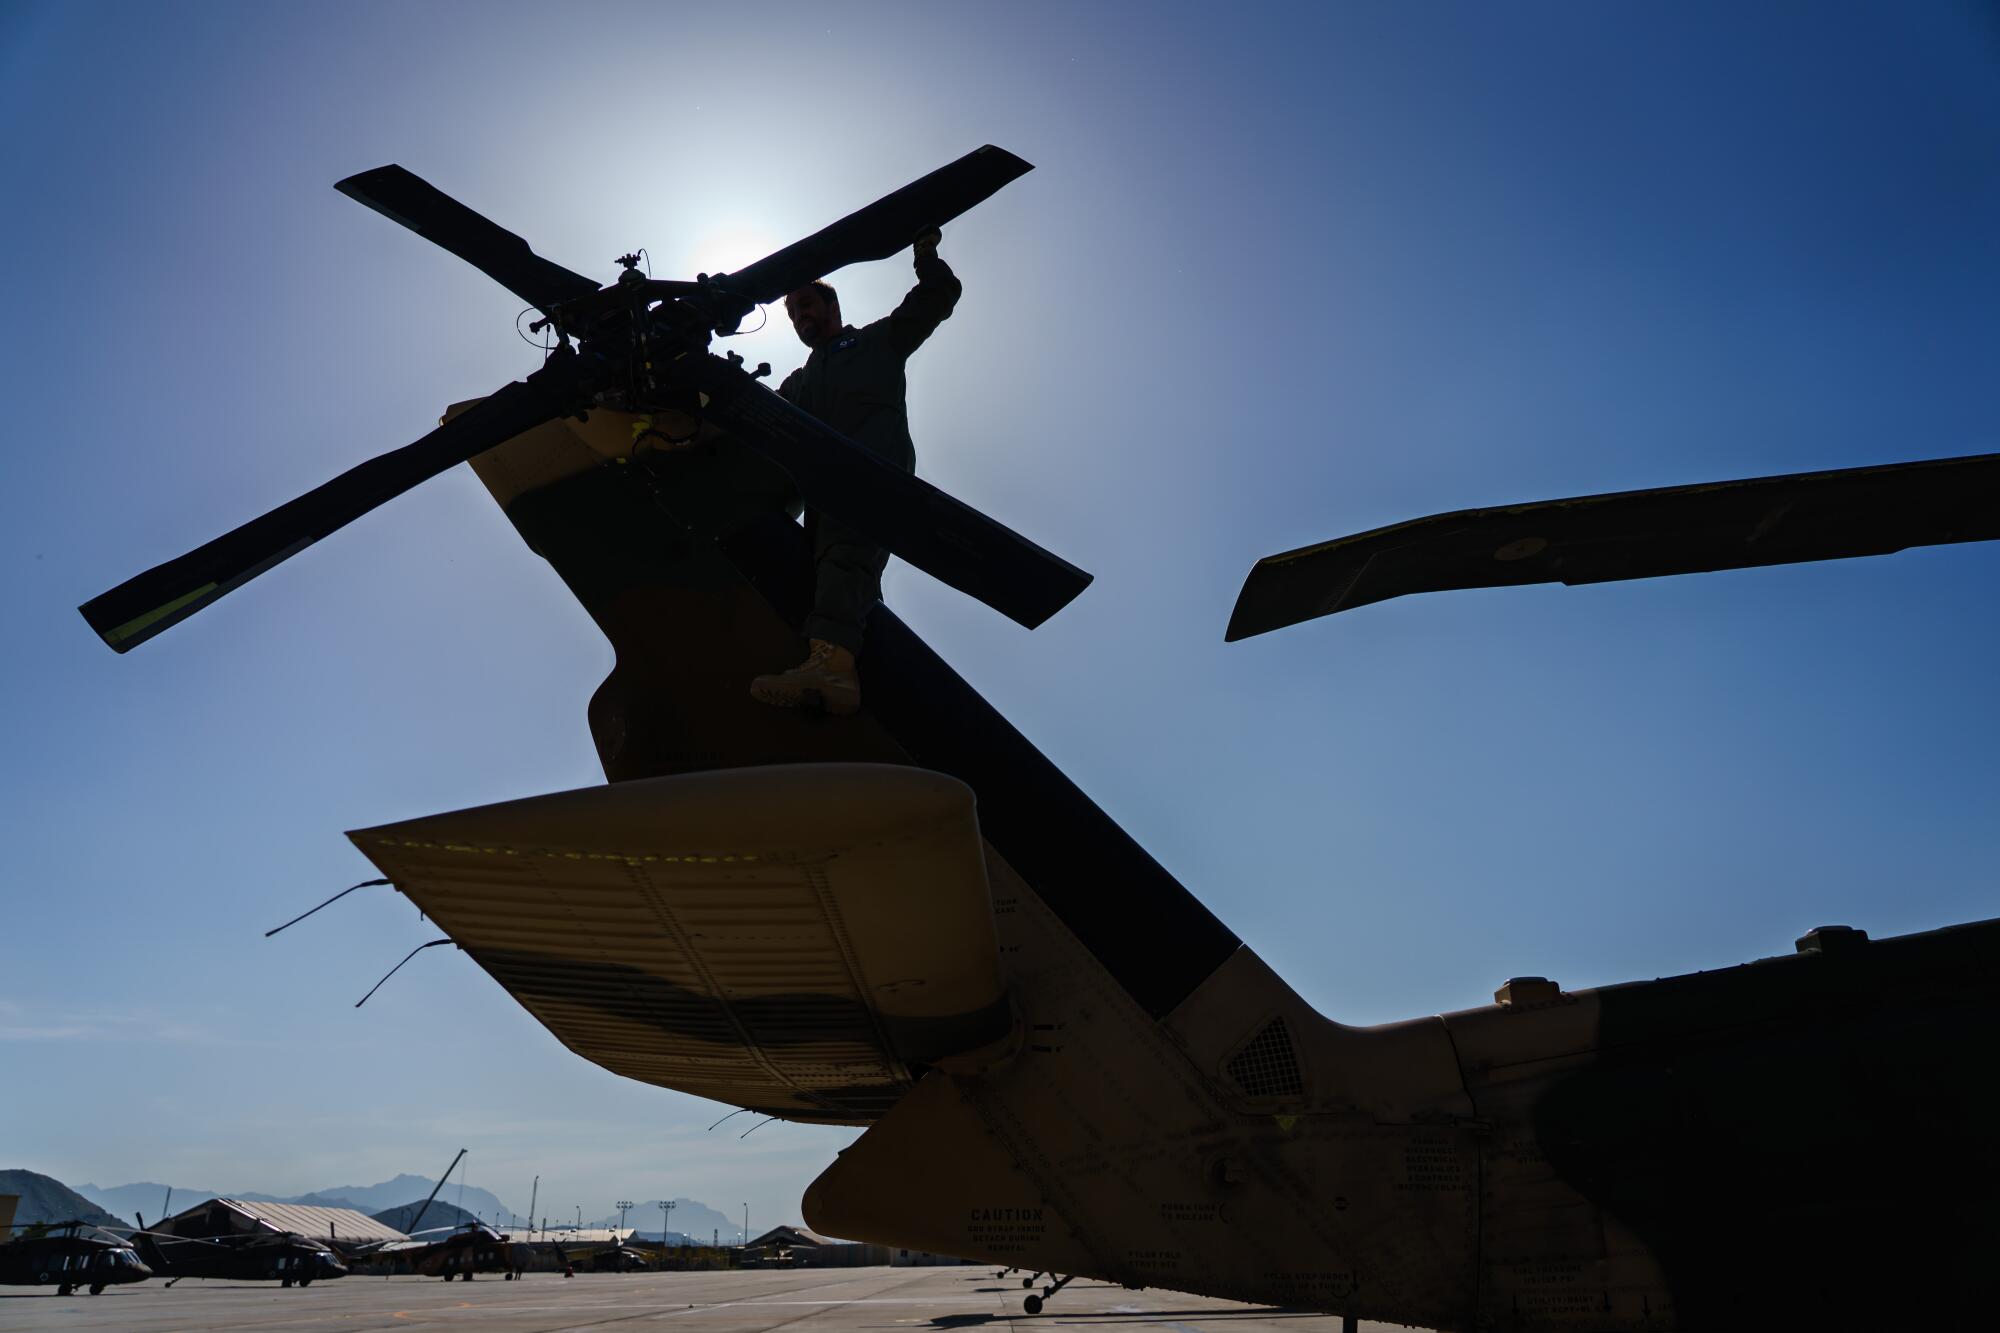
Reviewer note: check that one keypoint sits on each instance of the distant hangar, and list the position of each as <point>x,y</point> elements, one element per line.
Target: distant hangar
<point>234,1217</point>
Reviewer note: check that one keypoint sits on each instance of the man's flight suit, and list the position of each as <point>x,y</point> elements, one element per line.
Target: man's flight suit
<point>854,383</point>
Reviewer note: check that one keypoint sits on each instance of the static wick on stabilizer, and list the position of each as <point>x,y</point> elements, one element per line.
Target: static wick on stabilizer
<point>364,884</point>
<point>399,967</point>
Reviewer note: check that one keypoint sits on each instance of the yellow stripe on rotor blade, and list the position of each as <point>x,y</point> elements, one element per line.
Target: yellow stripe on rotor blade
<point>132,627</point>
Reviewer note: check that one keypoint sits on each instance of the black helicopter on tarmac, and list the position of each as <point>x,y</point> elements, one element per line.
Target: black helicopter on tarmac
<point>619,1258</point>
<point>66,1255</point>
<point>284,1257</point>
<point>471,1248</point>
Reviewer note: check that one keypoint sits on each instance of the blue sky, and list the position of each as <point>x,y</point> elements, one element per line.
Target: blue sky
<point>1282,273</point>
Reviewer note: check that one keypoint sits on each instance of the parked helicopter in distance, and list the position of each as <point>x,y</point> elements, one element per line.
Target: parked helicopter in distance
<point>472,1247</point>
<point>65,1255</point>
<point>284,1257</point>
<point>619,1258</point>
<point>1065,1063</point>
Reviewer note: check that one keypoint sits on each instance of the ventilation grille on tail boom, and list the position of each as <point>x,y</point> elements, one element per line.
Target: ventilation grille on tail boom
<point>1267,1066</point>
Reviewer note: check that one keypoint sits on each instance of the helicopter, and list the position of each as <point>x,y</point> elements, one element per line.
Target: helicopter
<point>62,1254</point>
<point>1064,1062</point>
<point>213,1247</point>
<point>471,1247</point>
<point>615,1259</point>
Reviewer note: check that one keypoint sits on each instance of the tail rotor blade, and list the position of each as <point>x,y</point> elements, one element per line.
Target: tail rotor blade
<point>951,541</point>
<point>882,228</point>
<point>404,197</point>
<point>142,606</point>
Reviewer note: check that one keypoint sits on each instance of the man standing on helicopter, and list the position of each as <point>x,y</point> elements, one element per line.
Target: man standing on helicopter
<point>854,382</point>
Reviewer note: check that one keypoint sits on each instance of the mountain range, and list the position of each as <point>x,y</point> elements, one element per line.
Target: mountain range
<point>690,1217</point>
<point>46,1199</point>
<point>147,1197</point>
<point>439,1214</point>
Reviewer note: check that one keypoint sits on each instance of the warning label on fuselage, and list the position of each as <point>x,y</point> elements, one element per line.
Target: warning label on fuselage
<point>1005,1230</point>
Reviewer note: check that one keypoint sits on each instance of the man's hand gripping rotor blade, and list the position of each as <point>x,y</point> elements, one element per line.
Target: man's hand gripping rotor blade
<point>878,231</point>
<point>945,538</point>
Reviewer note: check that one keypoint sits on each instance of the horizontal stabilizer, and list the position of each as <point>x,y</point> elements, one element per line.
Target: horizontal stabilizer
<point>800,940</point>
<point>1633,535</point>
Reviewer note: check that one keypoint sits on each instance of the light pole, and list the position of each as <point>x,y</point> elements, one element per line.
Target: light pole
<point>746,1224</point>
<point>579,1217</point>
<point>623,1204</point>
<point>666,1211</point>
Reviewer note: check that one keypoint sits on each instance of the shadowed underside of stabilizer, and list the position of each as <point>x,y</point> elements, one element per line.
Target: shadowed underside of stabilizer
<point>802,940</point>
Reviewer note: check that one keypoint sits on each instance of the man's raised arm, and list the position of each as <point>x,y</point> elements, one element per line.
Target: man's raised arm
<point>929,302</point>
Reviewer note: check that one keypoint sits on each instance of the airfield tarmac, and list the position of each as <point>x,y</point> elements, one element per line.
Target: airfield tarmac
<point>851,1300</point>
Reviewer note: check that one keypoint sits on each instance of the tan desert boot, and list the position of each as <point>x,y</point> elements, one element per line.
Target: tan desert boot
<point>826,679</point>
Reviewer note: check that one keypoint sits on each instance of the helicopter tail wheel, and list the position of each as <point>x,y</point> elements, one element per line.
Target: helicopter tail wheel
<point>65,1289</point>
<point>1033,1304</point>
<point>97,1288</point>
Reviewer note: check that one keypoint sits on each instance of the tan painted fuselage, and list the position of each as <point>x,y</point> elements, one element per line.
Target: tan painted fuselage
<point>1794,1140</point>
